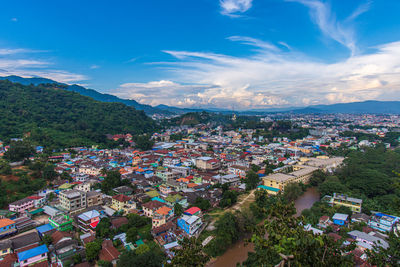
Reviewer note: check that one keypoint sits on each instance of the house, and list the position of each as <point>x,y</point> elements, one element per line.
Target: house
<point>360,217</point>
<point>5,248</point>
<point>161,216</point>
<point>109,252</point>
<point>26,241</point>
<point>61,222</point>
<point>124,190</point>
<point>45,229</point>
<point>324,222</point>
<point>207,163</point>
<point>150,207</point>
<point>7,227</point>
<point>383,222</point>
<point>239,170</point>
<point>367,241</point>
<point>88,221</point>
<point>72,200</point>
<point>122,203</point>
<point>38,201</point>
<point>33,256</point>
<point>118,222</point>
<point>93,198</point>
<point>193,211</point>
<point>343,200</point>
<point>190,224</point>
<point>340,218</point>
<point>21,205</point>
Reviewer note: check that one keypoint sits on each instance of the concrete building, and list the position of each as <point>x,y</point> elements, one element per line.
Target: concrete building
<point>73,200</point>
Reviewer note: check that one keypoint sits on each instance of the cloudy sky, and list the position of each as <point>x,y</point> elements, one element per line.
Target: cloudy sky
<point>236,54</point>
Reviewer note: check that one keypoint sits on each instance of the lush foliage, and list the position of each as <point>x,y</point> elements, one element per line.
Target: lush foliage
<point>58,118</point>
<point>152,258</point>
<point>288,242</point>
<point>252,180</point>
<point>191,254</point>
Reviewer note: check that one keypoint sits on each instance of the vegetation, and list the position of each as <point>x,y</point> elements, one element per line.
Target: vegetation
<point>252,180</point>
<point>289,244</point>
<point>19,150</point>
<point>152,258</point>
<point>192,255</point>
<point>53,117</point>
<point>93,250</point>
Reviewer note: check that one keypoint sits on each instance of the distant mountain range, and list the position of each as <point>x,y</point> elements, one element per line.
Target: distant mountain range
<point>367,107</point>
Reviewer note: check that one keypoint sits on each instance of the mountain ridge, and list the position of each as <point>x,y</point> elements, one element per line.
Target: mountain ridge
<point>362,107</point>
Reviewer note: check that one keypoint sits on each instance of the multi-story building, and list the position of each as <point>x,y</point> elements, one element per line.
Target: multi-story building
<point>208,163</point>
<point>21,205</point>
<point>150,207</point>
<point>343,200</point>
<point>61,222</point>
<point>239,170</point>
<point>161,216</point>
<point>93,198</point>
<point>190,224</point>
<point>122,203</point>
<point>72,200</point>
<point>383,222</point>
<point>88,221</point>
<point>277,181</point>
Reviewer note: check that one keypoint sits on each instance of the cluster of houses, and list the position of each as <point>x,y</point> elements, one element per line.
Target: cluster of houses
<point>375,227</point>
<point>173,173</point>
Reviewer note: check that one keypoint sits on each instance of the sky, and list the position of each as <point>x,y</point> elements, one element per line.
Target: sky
<point>232,54</point>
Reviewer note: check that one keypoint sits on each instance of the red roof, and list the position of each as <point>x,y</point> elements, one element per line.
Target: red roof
<point>192,210</point>
<point>35,197</point>
<point>94,224</point>
<point>121,198</point>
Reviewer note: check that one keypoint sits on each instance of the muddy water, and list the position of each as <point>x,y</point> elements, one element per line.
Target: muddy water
<point>238,252</point>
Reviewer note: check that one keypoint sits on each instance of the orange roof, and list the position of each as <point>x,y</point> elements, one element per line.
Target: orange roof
<point>192,185</point>
<point>163,210</point>
<point>183,180</point>
<point>5,222</point>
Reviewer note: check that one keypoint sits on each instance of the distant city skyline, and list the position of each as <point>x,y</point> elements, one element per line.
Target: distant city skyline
<point>232,54</point>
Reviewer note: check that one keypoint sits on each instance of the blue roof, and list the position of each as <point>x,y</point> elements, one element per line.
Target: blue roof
<point>32,252</point>
<point>269,188</point>
<point>380,214</point>
<point>44,228</point>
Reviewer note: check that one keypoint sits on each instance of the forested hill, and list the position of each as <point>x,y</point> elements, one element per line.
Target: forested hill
<point>56,117</point>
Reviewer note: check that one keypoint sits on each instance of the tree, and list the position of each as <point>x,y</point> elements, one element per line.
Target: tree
<point>66,176</point>
<point>92,250</point>
<point>143,248</point>
<point>252,180</point>
<point>48,172</point>
<point>191,254</point>
<point>143,142</point>
<point>132,235</point>
<point>103,228</point>
<point>203,204</point>
<point>47,240</point>
<point>292,191</point>
<point>178,209</point>
<point>152,258</point>
<point>5,168</point>
<point>288,242</point>
<point>102,263</point>
<point>112,180</point>
<point>18,151</point>
<point>390,256</point>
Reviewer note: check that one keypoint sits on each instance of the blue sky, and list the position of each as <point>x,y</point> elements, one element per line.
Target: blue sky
<point>237,54</point>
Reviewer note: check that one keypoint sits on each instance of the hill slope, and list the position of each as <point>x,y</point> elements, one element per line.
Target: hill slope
<point>88,92</point>
<point>57,117</point>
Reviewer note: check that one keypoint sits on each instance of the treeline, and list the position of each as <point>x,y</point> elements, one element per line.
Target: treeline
<point>51,116</point>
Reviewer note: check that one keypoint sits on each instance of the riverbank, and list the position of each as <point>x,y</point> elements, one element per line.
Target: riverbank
<point>238,252</point>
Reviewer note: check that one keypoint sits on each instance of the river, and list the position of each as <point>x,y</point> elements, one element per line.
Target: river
<point>238,252</point>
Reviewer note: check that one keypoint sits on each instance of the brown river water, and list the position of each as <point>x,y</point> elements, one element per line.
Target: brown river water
<point>238,252</point>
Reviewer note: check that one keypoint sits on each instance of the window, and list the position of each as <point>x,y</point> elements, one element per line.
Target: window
<point>44,254</point>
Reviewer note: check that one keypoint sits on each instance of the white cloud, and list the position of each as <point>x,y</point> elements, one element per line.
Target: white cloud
<point>234,7</point>
<point>340,31</point>
<point>15,61</point>
<point>93,67</point>
<point>14,19</point>
<point>269,79</point>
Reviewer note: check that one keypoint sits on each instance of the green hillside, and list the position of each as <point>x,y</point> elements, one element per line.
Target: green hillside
<point>60,118</point>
